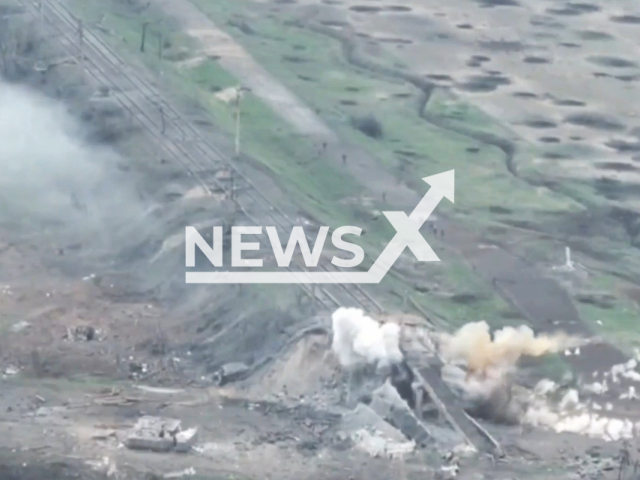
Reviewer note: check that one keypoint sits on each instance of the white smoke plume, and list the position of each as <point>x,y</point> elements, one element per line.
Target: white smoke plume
<point>359,340</point>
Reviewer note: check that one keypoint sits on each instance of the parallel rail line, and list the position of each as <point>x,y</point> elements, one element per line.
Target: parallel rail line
<point>189,146</point>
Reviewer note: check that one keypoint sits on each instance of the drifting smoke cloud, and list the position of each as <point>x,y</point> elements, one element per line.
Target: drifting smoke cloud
<point>52,182</point>
<point>60,189</point>
<point>473,345</point>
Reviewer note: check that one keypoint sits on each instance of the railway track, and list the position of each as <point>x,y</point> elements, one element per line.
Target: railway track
<point>181,141</point>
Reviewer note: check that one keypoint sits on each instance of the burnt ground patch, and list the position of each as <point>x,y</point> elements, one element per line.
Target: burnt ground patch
<point>604,302</point>
<point>497,3</point>
<point>623,145</point>
<point>365,9</point>
<point>594,35</point>
<point>627,19</point>
<point>528,95</point>
<point>616,166</point>
<point>483,83</point>
<point>397,8</point>
<point>540,123</point>
<point>465,298</point>
<point>573,9</point>
<point>595,121</point>
<point>569,103</point>
<point>536,60</point>
<point>612,62</point>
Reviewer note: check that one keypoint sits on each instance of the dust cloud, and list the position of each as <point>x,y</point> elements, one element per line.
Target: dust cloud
<point>65,187</point>
<point>474,345</point>
<point>489,385</point>
<point>491,365</point>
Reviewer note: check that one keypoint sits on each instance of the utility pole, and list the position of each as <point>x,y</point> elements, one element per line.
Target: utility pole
<point>233,96</point>
<point>161,52</point>
<point>162,120</point>
<point>238,99</point>
<point>81,42</point>
<point>144,35</point>
<point>41,16</point>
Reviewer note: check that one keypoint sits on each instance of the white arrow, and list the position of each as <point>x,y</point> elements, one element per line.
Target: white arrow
<point>442,186</point>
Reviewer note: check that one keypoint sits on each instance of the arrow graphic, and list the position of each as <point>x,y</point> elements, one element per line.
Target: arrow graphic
<point>407,236</point>
<point>408,228</point>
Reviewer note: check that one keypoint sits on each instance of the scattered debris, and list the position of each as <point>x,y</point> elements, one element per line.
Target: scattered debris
<point>187,472</point>
<point>115,400</point>
<point>104,435</point>
<point>571,415</point>
<point>160,435</point>
<point>596,388</point>
<point>105,465</point>
<point>625,370</point>
<point>185,439</point>
<point>136,370</point>
<point>377,446</point>
<point>20,326</point>
<point>388,404</point>
<point>371,434</point>
<point>447,472</point>
<point>630,394</point>
<point>81,333</point>
<point>200,191</point>
<point>592,466</point>
<point>50,411</point>
<point>229,372</point>
<point>159,390</point>
<point>232,95</point>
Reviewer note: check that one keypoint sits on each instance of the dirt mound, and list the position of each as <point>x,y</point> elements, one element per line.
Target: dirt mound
<point>302,372</point>
<point>234,331</point>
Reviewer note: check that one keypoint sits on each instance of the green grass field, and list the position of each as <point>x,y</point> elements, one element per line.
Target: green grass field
<point>313,67</point>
